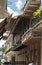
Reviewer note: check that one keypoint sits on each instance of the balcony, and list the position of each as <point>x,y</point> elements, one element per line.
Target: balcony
<point>31,2</point>
<point>31,6</point>
<point>17,44</point>
<point>37,17</point>
<point>34,32</point>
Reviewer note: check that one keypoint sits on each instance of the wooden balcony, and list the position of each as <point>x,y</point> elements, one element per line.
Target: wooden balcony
<point>38,28</point>
<point>35,2</point>
<point>32,2</point>
<point>29,38</point>
<point>33,35</point>
<point>32,5</point>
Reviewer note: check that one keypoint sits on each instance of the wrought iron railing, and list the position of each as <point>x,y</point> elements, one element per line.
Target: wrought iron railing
<point>34,22</point>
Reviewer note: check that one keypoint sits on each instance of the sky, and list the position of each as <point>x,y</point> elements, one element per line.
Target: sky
<point>13,6</point>
<point>16,5</point>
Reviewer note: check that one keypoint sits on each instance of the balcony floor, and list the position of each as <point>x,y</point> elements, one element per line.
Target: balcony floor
<point>33,40</point>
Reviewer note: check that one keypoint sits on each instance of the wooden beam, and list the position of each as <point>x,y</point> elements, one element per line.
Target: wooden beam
<point>35,2</point>
<point>26,16</point>
<point>33,6</point>
<point>28,11</point>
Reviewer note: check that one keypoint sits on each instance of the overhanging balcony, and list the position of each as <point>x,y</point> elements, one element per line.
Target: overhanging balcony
<point>31,2</point>
<point>31,6</point>
<point>17,44</point>
<point>34,34</point>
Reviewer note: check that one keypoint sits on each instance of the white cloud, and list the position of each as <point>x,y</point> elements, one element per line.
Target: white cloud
<point>10,11</point>
<point>18,4</point>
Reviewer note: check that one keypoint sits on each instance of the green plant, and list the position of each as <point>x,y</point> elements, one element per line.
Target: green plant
<point>37,13</point>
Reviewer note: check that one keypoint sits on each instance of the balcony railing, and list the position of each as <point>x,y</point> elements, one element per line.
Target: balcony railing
<point>26,35</point>
<point>29,33</point>
<point>35,20</point>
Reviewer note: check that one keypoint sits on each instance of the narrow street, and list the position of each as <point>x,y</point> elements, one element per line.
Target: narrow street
<point>20,32</point>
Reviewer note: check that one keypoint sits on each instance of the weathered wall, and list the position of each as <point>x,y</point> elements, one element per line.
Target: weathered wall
<point>20,56</point>
<point>33,52</point>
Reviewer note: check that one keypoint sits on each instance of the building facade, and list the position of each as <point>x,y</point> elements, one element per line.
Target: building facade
<point>24,45</point>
